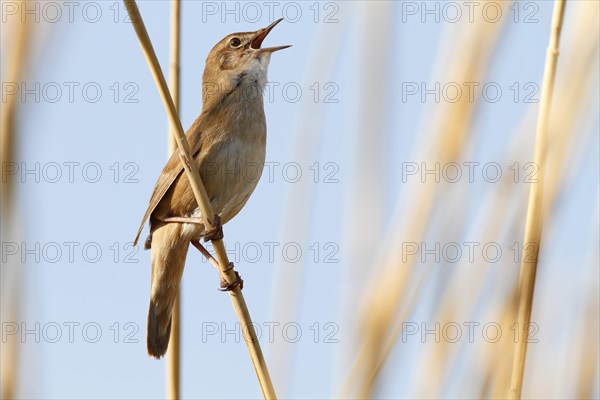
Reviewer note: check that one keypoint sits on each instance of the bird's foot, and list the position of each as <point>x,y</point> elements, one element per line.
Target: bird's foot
<point>226,286</point>
<point>216,232</point>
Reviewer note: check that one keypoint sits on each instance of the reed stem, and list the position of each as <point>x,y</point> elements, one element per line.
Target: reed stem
<point>173,356</point>
<point>533,227</point>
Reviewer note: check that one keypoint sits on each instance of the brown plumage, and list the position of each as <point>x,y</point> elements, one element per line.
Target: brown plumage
<point>228,143</point>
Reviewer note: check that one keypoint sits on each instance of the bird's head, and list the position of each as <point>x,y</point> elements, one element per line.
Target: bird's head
<point>238,58</point>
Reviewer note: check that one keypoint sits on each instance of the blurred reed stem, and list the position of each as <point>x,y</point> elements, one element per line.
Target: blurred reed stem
<point>11,287</point>
<point>367,191</point>
<point>446,135</point>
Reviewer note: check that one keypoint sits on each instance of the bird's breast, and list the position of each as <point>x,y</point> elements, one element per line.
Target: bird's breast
<point>233,166</point>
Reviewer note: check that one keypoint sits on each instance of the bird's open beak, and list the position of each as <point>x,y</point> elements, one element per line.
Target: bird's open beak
<point>261,35</point>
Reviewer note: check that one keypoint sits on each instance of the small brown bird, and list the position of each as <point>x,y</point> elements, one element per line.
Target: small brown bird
<point>228,143</point>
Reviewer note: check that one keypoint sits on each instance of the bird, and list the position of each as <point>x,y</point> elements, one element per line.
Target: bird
<point>227,141</point>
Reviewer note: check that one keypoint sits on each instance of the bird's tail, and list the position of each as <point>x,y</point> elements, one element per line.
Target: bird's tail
<point>169,251</point>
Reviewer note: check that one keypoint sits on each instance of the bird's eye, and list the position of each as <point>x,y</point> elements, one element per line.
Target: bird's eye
<point>235,42</point>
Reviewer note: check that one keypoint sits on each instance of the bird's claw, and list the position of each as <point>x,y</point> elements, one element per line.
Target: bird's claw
<point>216,232</point>
<point>226,286</point>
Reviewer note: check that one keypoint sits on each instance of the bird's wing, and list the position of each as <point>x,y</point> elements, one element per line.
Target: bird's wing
<point>170,172</point>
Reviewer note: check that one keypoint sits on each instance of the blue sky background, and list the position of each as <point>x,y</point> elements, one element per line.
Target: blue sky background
<point>130,138</point>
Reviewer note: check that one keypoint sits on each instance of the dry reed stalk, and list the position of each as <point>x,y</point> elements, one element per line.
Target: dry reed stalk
<point>452,122</point>
<point>237,298</point>
<point>533,227</point>
<point>498,365</point>
<point>576,114</point>
<point>173,355</point>
<point>11,289</point>
<point>572,102</point>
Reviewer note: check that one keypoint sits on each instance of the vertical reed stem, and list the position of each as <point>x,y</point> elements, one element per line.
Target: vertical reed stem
<point>533,227</point>
<point>173,358</point>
